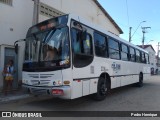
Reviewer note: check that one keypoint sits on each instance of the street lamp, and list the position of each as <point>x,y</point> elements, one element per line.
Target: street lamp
<point>144,31</point>
<point>149,41</point>
<point>130,36</point>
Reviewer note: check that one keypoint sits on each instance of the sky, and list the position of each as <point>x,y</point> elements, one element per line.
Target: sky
<point>131,13</point>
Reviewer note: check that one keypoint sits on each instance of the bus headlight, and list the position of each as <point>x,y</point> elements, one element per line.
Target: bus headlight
<point>25,81</point>
<point>57,83</point>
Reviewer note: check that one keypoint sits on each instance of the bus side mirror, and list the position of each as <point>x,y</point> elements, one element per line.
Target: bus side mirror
<point>16,48</point>
<point>16,44</point>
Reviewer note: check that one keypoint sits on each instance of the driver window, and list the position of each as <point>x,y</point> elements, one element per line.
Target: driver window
<point>81,46</point>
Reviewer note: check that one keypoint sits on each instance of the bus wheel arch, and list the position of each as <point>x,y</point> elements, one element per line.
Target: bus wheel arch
<point>103,87</point>
<point>106,76</point>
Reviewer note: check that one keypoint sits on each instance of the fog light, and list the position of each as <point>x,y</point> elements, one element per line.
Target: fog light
<point>59,82</point>
<point>57,92</point>
<point>54,83</point>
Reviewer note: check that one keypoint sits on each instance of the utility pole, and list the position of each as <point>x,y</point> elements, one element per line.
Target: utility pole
<point>130,29</point>
<point>158,55</point>
<point>36,12</point>
<point>144,31</point>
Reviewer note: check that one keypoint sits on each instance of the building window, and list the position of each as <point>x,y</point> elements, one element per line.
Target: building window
<point>7,2</point>
<point>100,45</point>
<point>113,49</point>
<point>49,11</point>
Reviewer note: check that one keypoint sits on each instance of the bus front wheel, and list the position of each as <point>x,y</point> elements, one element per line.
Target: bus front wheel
<point>102,89</point>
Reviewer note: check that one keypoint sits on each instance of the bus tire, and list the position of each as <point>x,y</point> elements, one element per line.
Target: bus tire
<point>102,89</point>
<point>140,83</point>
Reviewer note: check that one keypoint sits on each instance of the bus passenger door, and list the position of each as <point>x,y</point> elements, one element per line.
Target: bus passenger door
<point>83,66</point>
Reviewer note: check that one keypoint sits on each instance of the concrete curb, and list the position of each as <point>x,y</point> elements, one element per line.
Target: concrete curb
<point>13,98</point>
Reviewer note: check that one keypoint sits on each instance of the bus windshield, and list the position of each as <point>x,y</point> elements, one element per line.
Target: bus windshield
<point>50,48</point>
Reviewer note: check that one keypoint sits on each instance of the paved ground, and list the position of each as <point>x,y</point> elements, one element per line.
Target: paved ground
<point>127,98</point>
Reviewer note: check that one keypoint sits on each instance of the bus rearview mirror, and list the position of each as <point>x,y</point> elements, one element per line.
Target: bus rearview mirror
<point>16,44</point>
<point>16,48</point>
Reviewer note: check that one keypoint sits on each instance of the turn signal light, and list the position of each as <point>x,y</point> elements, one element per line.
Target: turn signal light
<point>57,92</point>
<point>66,82</point>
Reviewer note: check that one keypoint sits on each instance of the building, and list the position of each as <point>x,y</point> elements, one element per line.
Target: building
<point>152,56</point>
<point>158,63</point>
<point>15,19</point>
<point>17,16</point>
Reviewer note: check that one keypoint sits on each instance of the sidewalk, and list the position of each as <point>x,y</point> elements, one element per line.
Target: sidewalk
<point>14,96</point>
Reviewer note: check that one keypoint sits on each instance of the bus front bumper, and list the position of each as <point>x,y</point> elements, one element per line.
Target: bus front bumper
<point>63,92</point>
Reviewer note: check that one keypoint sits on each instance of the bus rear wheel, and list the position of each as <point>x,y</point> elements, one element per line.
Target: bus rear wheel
<point>102,90</point>
<point>140,83</point>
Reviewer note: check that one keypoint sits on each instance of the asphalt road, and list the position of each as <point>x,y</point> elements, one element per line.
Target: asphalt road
<point>128,98</point>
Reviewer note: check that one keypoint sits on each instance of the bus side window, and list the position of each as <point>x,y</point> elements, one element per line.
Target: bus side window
<point>124,52</point>
<point>138,59</point>
<point>143,58</point>
<point>114,50</point>
<point>147,58</point>
<point>132,54</point>
<point>81,46</point>
<point>100,45</point>
<point>87,45</point>
<point>75,41</point>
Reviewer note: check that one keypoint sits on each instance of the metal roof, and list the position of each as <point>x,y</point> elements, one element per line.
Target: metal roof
<point>108,16</point>
<point>146,46</point>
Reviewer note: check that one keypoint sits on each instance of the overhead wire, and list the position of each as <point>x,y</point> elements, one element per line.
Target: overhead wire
<point>127,11</point>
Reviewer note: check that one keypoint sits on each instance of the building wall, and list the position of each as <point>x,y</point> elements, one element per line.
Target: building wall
<point>15,20</point>
<point>152,57</point>
<point>14,23</point>
<point>84,8</point>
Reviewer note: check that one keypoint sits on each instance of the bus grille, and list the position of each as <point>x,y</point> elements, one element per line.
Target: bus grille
<point>40,82</point>
<point>41,79</point>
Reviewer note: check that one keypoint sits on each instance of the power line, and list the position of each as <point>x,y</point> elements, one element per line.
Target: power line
<point>127,11</point>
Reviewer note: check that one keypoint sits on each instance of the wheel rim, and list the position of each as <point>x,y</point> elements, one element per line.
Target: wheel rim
<point>103,89</point>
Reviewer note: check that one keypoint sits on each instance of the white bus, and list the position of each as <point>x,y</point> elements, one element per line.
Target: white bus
<point>68,57</point>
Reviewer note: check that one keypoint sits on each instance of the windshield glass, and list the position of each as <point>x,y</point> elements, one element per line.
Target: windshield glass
<point>55,46</point>
<point>48,47</point>
<point>33,46</point>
